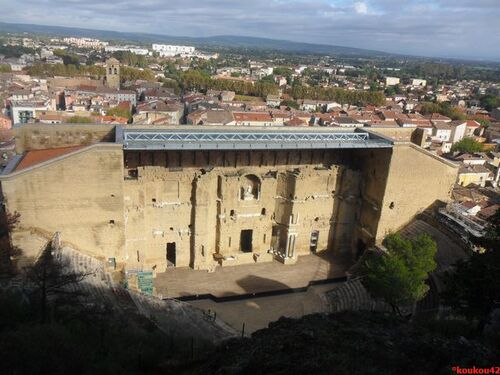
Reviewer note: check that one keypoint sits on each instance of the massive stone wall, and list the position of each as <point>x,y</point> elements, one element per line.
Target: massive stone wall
<point>65,82</point>
<point>416,179</point>
<point>374,168</point>
<point>38,137</point>
<point>234,207</point>
<point>79,195</point>
<point>396,185</point>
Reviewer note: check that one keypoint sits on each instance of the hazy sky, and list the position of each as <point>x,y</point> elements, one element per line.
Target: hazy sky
<point>447,28</point>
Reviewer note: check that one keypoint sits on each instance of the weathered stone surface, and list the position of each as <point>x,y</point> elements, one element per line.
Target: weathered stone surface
<point>154,209</point>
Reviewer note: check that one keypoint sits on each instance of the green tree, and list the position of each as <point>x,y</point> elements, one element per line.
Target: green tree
<point>195,80</point>
<point>131,74</point>
<point>467,145</point>
<point>358,97</point>
<point>15,51</point>
<point>489,102</point>
<point>120,112</point>
<point>5,68</point>
<point>268,79</point>
<point>484,122</point>
<point>282,71</point>
<point>68,58</point>
<point>51,70</point>
<point>390,91</point>
<point>285,72</point>
<point>399,276</point>
<point>374,86</point>
<point>290,104</point>
<point>443,108</point>
<point>472,288</point>
<point>131,59</point>
<point>172,84</point>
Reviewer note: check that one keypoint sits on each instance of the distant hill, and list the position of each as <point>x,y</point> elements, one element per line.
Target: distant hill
<point>222,40</point>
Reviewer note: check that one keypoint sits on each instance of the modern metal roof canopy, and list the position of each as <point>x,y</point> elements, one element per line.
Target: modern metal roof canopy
<point>244,139</point>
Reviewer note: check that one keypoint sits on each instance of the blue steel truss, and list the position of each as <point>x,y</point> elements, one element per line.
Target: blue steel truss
<point>245,140</point>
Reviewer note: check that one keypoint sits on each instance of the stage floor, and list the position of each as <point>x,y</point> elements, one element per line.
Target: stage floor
<point>253,279</point>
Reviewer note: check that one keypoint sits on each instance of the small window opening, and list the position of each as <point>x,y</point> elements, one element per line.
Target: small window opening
<point>112,222</point>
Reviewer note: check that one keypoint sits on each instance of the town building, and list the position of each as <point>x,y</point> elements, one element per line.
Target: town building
<point>157,112</point>
<point>273,101</point>
<point>132,49</point>
<point>476,174</point>
<point>415,82</point>
<point>85,42</point>
<point>391,81</point>
<point>346,122</point>
<point>168,50</point>
<point>458,129</point>
<point>252,119</point>
<point>472,127</point>
<point>25,111</point>
<point>442,131</point>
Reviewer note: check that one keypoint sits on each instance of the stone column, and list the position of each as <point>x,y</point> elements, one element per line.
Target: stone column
<point>205,221</point>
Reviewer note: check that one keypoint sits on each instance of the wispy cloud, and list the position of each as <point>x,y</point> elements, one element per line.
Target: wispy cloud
<point>459,28</point>
<point>361,8</point>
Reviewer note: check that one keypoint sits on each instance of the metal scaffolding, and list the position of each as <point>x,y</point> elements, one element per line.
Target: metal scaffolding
<point>247,140</point>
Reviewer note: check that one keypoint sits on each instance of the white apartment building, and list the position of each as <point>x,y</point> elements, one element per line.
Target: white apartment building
<point>85,42</point>
<point>131,49</point>
<point>168,50</point>
<point>418,82</point>
<point>442,132</point>
<point>391,81</point>
<point>458,129</point>
<point>23,112</point>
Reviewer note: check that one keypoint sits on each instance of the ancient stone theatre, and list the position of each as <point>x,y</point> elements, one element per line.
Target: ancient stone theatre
<point>205,196</point>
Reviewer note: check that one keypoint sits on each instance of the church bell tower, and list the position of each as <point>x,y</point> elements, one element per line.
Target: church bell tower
<point>113,73</point>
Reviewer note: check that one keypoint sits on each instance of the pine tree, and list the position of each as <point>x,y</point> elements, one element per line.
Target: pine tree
<point>399,276</point>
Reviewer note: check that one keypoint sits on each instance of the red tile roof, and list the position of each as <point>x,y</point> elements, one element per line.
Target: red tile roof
<point>112,120</point>
<point>295,122</point>
<point>125,105</point>
<point>87,87</point>
<point>488,212</point>
<point>439,117</point>
<point>252,116</point>
<point>473,124</point>
<point>35,157</point>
